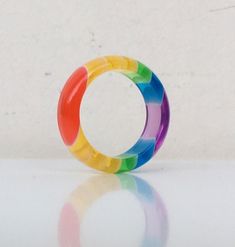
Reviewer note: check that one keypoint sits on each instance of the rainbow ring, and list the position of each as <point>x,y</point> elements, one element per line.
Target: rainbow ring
<point>157,114</point>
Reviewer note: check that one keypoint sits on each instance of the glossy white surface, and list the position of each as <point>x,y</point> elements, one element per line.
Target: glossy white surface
<point>193,205</point>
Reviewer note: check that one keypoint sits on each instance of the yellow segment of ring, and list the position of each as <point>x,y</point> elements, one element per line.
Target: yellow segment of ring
<point>83,150</point>
<point>104,64</point>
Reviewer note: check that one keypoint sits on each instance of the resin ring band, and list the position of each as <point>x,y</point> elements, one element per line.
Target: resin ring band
<point>157,114</point>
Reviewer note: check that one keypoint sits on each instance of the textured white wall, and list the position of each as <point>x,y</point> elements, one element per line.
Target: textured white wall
<point>189,44</point>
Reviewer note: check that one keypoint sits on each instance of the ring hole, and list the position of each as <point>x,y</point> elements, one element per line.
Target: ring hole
<point>112,114</point>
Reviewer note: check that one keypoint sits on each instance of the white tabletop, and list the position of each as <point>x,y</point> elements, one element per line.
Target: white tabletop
<point>63,203</point>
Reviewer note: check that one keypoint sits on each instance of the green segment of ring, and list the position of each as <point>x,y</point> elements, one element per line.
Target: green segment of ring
<point>143,74</point>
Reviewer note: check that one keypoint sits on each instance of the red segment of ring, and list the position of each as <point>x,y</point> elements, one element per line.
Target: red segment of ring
<point>69,103</point>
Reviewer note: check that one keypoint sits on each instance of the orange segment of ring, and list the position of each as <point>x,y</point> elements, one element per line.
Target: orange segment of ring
<point>68,106</point>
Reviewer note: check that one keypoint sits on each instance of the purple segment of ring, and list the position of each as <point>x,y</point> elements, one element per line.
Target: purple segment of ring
<point>165,118</point>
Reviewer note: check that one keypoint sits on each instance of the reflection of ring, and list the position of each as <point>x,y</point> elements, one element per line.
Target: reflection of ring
<point>157,114</point>
<point>108,189</point>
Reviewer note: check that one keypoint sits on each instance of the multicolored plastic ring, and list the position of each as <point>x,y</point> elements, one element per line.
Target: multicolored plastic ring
<point>157,114</point>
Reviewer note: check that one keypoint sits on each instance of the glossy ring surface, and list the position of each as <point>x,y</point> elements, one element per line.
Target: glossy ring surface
<point>157,114</point>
